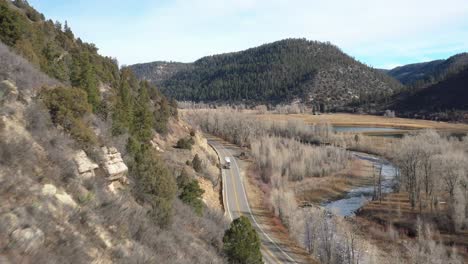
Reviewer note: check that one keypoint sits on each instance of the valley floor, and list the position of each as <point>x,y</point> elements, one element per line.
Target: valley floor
<point>344,119</point>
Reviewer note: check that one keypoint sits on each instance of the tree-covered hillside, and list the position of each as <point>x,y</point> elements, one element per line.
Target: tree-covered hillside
<point>419,75</point>
<point>54,49</point>
<point>283,71</point>
<point>158,71</point>
<point>445,100</point>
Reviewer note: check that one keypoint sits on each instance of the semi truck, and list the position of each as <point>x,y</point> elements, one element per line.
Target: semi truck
<point>227,163</point>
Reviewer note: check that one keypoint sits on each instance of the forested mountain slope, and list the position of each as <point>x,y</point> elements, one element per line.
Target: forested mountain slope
<point>284,71</point>
<point>427,73</point>
<point>445,100</point>
<point>158,71</point>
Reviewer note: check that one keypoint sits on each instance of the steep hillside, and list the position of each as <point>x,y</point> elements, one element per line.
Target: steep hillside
<point>427,73</point>
<point>83,177</point>
<point>158,71</point>
<point>445,100</point>
<point>293,69</point>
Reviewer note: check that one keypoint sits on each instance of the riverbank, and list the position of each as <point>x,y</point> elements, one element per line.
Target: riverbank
<point>318,190</point>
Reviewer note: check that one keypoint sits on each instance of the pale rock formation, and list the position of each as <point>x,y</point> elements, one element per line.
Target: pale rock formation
<point>66,199</point>
<point>115,169</point>
<point>156,146</point>
<point>49,190</point>
<point>27,239</point>
<point>85,166</point>
<point>115,187</point>
<point>113,164</point>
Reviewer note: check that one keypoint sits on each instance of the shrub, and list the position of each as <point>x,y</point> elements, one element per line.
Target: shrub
<point>241,242</point>
<point>197,163</point>
<point>67,107</point>
<point>190,192</point>
<point>185,143</point>
<point>155,184</point>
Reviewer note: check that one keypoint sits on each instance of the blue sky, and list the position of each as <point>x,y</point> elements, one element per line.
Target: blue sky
<point>377,32</point>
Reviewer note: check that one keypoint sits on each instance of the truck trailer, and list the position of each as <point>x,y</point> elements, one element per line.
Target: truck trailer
<point>227,163</point>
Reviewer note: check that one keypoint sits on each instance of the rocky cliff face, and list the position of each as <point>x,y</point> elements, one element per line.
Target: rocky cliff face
<point>63,202</point>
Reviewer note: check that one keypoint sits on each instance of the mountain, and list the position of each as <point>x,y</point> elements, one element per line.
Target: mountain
<point>158,71</point>
<point>426,73</point>
<point>284,71</point>
<point>445,100</point>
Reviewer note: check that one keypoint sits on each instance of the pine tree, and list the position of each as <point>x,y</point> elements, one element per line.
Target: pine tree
<point>155,184</point>
<point>143,118</point>
<point>68,31</point>
<point>123,108</point>
<point>190,192</point>
<point>241,242</point>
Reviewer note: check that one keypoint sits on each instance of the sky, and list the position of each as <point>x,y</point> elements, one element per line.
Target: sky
<point>382,34</point>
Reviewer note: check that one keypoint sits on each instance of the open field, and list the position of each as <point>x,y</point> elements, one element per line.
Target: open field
<point>342,119</point>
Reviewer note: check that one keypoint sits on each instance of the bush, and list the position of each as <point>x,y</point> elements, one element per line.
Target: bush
<point>190,192</point>
<point>155,184</point>
<point>241,242</point>
<point>197,163</point>
<point>67,107</point>
<point>185,143</point>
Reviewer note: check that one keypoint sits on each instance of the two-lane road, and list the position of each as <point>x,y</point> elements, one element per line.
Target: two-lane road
<point>237,204</point>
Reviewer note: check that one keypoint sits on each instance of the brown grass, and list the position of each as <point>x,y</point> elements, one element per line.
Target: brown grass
<point>368,120</point>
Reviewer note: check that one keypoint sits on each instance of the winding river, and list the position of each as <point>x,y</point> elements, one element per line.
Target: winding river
<point>358,196</point>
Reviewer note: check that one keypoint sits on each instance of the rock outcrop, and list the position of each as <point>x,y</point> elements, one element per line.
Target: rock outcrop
<point>85,166</point>
<point>28,239</point>
<point>113,164</point>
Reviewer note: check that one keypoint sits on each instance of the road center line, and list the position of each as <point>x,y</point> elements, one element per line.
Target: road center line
<point>250,211</point>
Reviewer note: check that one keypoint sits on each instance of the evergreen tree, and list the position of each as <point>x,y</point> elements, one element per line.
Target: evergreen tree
<point>123,109</point>
<point>241,242</point>
<point>68,32</point>
<point>11,26</point>
<point>143,118</point>
<point>190,192</point>
<point>155,184</point>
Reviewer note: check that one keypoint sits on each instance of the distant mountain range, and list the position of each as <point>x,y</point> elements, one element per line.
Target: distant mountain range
<point>435,90</point>
<point>319,75</point>
<point>281,72</point>
<point>426,73</point>
<point>445,100</point>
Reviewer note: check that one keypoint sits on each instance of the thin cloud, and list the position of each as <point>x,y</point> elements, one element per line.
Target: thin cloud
<point>184,30</point>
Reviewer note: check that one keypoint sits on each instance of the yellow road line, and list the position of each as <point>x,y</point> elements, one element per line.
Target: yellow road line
<point>240,213</point>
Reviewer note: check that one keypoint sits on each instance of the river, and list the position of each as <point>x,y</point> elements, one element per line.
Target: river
<point>358,196</point>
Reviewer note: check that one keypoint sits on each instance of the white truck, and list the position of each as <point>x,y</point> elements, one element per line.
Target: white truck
<point>227,163</point>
